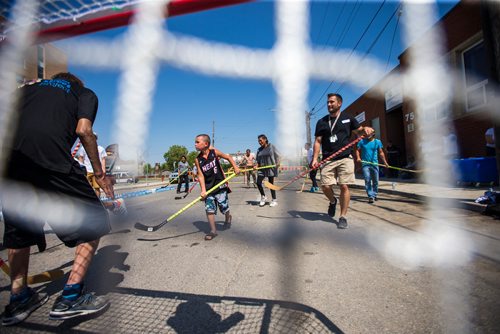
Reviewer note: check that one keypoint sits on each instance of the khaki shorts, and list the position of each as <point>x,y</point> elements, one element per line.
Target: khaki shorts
<point>92,181</point>
<point>338,172</point>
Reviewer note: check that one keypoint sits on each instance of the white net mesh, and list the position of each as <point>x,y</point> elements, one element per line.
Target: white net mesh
<point>290,65</point>
<point>55,11</point>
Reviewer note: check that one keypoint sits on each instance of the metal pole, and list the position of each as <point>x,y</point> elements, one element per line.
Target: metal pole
<point>308,127</point>
<point>213,133</point>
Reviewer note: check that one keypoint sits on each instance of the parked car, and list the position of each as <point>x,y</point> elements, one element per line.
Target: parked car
<point>124,177</point>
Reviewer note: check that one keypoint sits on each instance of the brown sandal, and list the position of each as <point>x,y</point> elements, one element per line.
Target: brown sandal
<point>210,236</point>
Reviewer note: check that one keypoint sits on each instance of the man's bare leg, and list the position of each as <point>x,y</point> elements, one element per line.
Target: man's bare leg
<point>328,191</point>
<point>345,198</point>
<point>83,256</point>
<point>19,262</point>
<point>211,222</point>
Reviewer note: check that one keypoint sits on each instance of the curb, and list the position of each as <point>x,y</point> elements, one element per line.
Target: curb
<point>457,203</point>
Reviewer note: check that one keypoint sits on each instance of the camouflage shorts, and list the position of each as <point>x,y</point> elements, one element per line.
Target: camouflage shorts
<point>220,200</point>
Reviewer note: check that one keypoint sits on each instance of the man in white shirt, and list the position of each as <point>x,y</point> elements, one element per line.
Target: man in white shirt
<point>88,165</point>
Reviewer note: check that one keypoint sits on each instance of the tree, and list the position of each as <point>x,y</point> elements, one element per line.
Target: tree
<point>192,157</point>
<point>174,154</point>
<point>147,169</point>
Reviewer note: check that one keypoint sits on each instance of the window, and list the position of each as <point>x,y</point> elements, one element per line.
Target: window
<point>475,68</point>
<point>436,111</point>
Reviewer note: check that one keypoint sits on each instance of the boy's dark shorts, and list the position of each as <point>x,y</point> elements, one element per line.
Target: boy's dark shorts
<point>73,187</point>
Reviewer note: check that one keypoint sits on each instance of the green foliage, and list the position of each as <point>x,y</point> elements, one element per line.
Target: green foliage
<point>192,157</point>
<point>174,154</point>
<point>147,169</point>
<point>225,166</point>
<point>164,166</point>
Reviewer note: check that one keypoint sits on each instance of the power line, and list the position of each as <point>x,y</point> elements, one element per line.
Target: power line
<point>368,50</point>
<point>350,20</point>
<point>329,36</point>
<point>352,51</point>
<point>388,57</point>
<point>374,42</point>
<point>323,21</point>
<point>347,27</point>
<point>392,42</point>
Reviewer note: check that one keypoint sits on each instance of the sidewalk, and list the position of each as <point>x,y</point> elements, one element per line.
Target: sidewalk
<point>463,197</point>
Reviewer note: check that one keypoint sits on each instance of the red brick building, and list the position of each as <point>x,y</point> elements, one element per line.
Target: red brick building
<point>393,117</point>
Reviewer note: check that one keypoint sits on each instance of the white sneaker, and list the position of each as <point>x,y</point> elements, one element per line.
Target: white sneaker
<point>263,200</point>
<point>274,203</point>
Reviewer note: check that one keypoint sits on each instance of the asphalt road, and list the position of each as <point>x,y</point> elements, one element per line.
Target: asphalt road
<point>287,269</point>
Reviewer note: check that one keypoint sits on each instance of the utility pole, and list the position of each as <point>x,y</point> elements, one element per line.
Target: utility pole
<point>308,127</point>
<point>213,133</point>
<point>490,17</point>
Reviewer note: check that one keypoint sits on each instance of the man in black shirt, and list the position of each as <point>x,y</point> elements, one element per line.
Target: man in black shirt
<point>52,114</point>
<point>332,133</point>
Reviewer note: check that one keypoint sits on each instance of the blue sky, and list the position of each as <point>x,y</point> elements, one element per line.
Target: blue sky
<point>187,103</point>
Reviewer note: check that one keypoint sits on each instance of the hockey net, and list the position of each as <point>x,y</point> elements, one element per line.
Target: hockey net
<point>290,64</point>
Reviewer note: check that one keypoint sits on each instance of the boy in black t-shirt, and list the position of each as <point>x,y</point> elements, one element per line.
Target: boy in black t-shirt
<point>52,113</point>
<point>210,173</point>
<point>333,132</point>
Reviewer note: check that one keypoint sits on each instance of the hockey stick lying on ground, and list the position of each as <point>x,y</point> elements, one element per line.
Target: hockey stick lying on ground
<point>154,228</point>
<point>188,192</point>
<point>397,168</point>
<point>46,276</point>
<point>321,163</point>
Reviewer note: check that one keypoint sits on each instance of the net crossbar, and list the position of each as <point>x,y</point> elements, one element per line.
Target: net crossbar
<point>58,18</point>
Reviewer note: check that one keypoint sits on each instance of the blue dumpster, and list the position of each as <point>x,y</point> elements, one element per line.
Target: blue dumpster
<point>476,170</point>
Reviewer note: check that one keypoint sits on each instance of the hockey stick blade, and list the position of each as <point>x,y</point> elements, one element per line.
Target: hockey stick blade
<point>143,227</point>
<point>47,276</point>
<point>271,186</point>
<point>147,228</point>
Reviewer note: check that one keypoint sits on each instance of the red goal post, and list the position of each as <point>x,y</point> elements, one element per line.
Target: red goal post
<point>76,21</point>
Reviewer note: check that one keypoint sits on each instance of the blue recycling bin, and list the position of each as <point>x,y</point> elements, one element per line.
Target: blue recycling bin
<point>476,170</point>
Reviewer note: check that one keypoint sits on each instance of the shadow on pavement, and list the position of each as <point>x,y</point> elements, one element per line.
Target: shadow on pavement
<point>148,311</point>
<point>312,216</point>
<point>165,238</point>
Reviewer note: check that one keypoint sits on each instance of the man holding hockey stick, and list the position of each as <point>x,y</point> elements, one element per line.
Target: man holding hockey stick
<point>332,133</point>
<point>52,113</point>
